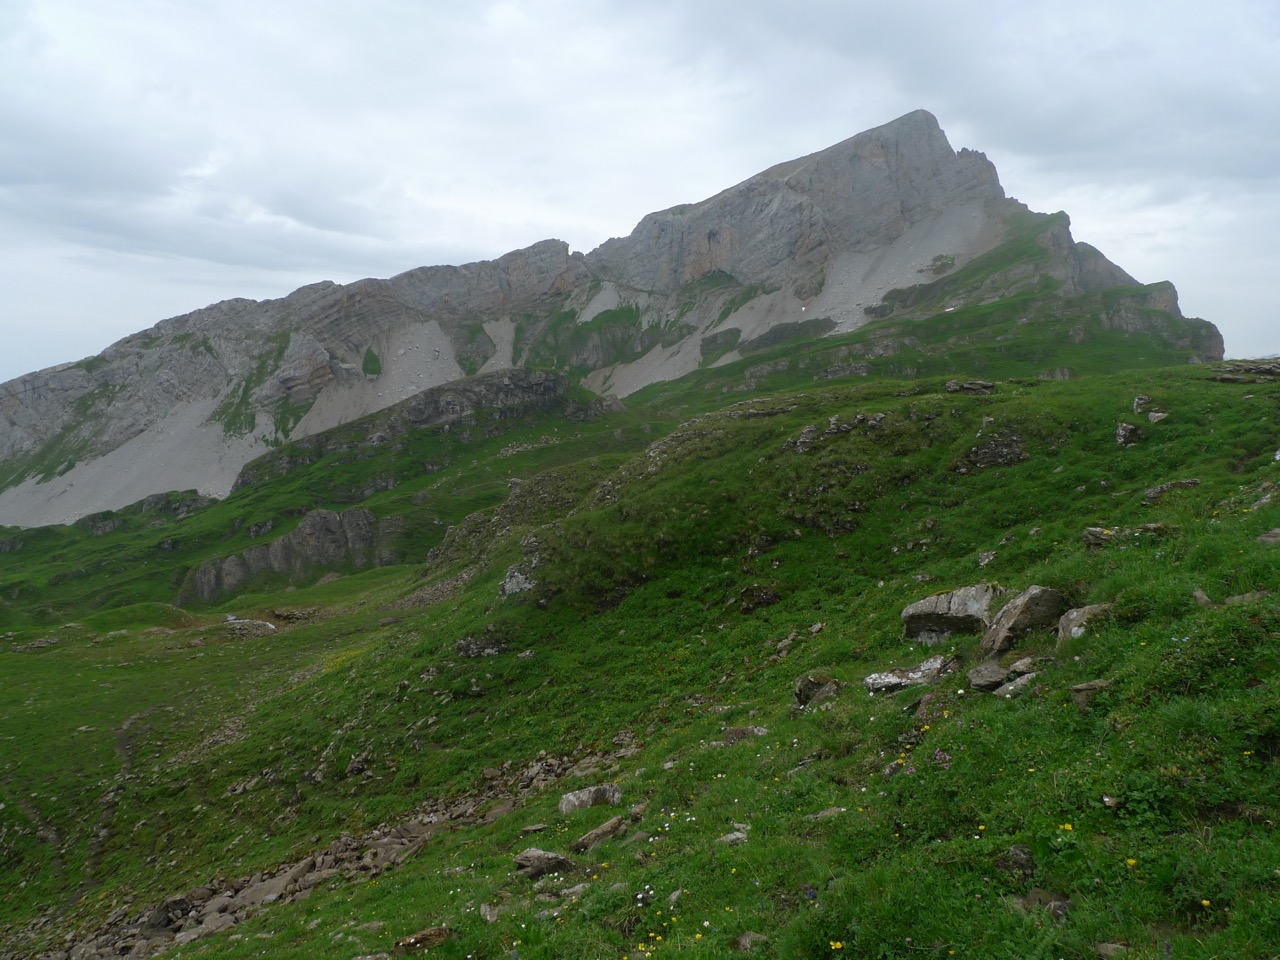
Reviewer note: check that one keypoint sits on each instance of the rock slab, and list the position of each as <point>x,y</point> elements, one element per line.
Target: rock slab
<point>1034,608</point>
<point>931,620</point>
<point>930,671</point>
<point>606,793</point>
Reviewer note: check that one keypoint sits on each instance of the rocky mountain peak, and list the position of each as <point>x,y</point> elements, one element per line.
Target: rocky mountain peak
<point>890,224</point>
<point>862,193</point>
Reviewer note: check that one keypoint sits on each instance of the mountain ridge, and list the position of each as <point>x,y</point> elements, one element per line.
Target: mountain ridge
<point>819,245</point>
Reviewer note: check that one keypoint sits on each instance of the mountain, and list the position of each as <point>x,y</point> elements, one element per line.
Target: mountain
<point>890,225</point>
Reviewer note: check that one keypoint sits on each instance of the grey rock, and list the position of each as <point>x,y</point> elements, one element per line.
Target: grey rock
<point>1101,536</point>
<point>1156,493</point>
<point>1127,434</point>
<point>814,687</point>
<point>1014,688</point>
<point>738,734</point>
<point>987,676</point>
<point>930,671</point>
<point>607,793</point>
<point>970,386</point>
<point>1270,538</point>
<point>966,610</point>
<point>1028,665</point>
<point>1034,608</point>
<point>483,646</point>
<point>217,923</point>
<point>608,830</point>
<point>516,581</point>
<point>859,194</point>
<point>1074,624</point>
<point>534,863</point>
<point>732,839</point>
<point>826,814</point>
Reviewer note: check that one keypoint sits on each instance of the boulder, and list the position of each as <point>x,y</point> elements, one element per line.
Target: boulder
<point>1034,608</point>
<point>1127,434</point>
<point>1271,537</point>
<point>987,676</point>
<point>1021,668</point>
<point>605,793</point>
<point>970,386</point>
<point>930,671</point>
<point>933,619</point>
<point>1073,624</point>
<point>1014,688</point>
<point>606,831</point>
<point>814,687</point>
<point>533,863</point>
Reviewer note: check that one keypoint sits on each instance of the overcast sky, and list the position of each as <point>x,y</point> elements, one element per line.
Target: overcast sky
<point>160,155</point>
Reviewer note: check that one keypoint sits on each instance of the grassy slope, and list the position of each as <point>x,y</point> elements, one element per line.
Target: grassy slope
<point>644,632</point>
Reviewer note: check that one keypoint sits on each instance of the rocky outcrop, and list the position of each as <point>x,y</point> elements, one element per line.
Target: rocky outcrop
<point>1160,491</point>
<point>1073,624</point>
<point>323,540</point>
<point>930,671</point>
<point>1034,608</point>
<point>494,398</point>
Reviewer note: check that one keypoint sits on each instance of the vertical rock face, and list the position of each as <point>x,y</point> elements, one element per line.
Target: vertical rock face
<point>323,539</point>
<point>862,193</point>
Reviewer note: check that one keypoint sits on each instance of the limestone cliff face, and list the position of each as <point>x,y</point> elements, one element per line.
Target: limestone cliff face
<point>861,194</point>
<point>867,228</point>
<point>322,540</point>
